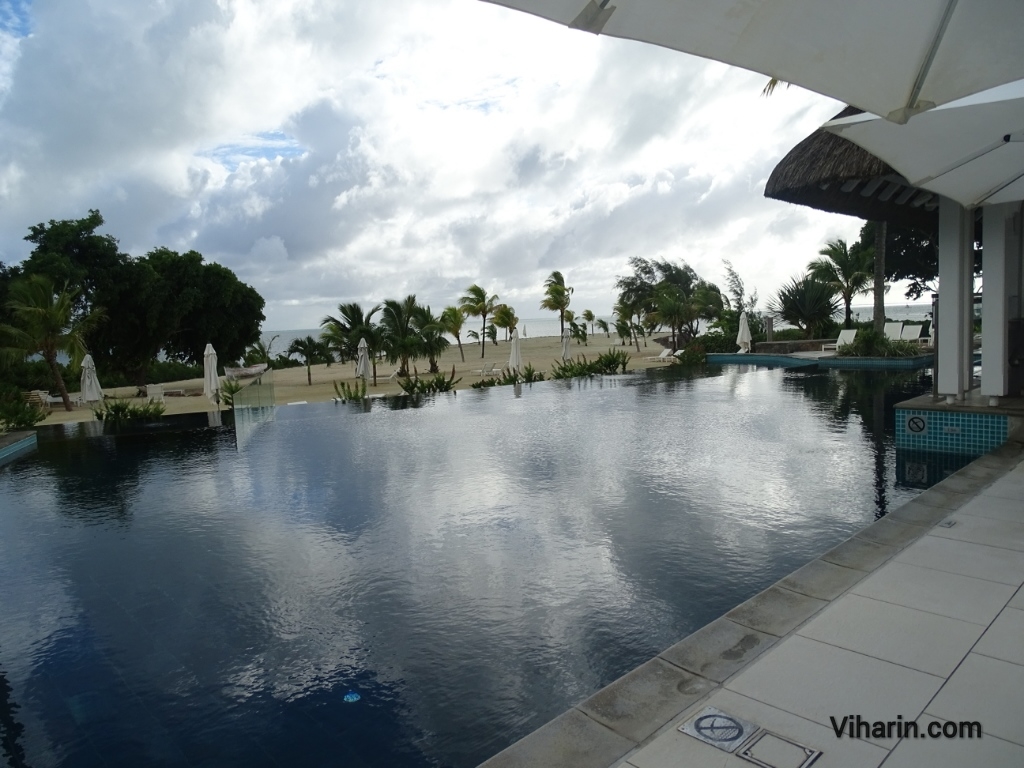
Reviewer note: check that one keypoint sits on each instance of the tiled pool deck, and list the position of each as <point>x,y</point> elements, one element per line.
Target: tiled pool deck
<point>920,616</point>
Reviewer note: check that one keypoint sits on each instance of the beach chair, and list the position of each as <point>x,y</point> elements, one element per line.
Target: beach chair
<point>912,333</point>
<point>666,355</point>
<point>487,370</point>
<point>845,337</point>
<point>36,398</point>
<point>155,393</point>
<point>893,331</point>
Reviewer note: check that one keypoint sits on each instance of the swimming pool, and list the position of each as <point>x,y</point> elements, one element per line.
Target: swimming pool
<point>468,568</point>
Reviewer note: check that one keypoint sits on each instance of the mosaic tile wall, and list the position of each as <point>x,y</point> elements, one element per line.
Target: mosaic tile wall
<point>16,450</point>
<point>950,432</point>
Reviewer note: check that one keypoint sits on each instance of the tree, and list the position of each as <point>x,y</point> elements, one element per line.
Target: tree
<point>672,310</point>
<point>557,296</point>
<point>476,303</point>
<point>505,317</point>
<point>342,333</point>
<point>589,317</point>
<point>401,340</point>
<point>259,352</point>
<point>807,303</point>
<point>603,325</point>
<point>312,352</point>
<point>639,292</point>
<point>452,320</point>
<point>848,272</point>
<point>44,322</point>
<point>431,331</point>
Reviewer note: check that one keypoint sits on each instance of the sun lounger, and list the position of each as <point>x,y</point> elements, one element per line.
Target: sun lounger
<point>487,370</point>
<point>893,331</point>
<point>36,397</point>
<point>155,393</point>
<point>845,337</point>
<point>913,333</point>
<point>666,354</point>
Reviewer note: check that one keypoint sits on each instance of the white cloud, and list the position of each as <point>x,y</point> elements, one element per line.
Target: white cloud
<point>335,151</point>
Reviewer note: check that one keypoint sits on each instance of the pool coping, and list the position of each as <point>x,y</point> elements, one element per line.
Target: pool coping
<point>630,712</point>
<point>14,445</point>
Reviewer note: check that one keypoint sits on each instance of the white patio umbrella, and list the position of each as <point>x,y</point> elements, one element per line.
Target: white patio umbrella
<point>211,384</point>
<point>971,150</point>
<point>890,58</point>
<point>363,360</point>
<point>90,384</point>
<point>515,359</point>
<point>743,337</point>
<point>565,344</point>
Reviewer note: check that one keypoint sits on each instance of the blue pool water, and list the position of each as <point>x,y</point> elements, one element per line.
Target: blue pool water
<point>409,586</point>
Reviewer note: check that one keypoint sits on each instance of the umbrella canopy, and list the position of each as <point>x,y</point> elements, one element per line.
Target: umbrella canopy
<point>90,385</point>
<point>565,344</point>
<point>890,58</point>
<point>363,360</point>
<point>971,151</point>
<point>515,359</point>
<point>743,337</point>
<point>211,384</point>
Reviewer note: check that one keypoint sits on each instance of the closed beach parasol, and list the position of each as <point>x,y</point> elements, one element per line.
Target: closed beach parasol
<point>363,360</point>
<point>565,344</point>
<point>515,360</point>
<point>211,385</point>
<point>743,337</point>
<point>90,385</point>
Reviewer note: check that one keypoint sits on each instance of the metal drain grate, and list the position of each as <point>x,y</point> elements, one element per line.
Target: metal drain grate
<point>719,729</point>
<point>769,750</point>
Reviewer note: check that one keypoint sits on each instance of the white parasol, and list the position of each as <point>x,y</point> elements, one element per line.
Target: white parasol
<point>515,360</point>
<point>90,384</point>
<point>565,344</point>
<point>211,384</point>
<point>363,360</point>
<point>743,337</point>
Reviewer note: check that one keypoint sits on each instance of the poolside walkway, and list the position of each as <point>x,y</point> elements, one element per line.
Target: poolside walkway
<point>919,617</point>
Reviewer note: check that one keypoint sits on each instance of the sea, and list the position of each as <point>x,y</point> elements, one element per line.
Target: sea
<point>535,327</point>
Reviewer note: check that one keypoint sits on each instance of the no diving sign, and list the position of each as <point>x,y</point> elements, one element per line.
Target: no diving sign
<point>715,727</point>
<point>917,424</point>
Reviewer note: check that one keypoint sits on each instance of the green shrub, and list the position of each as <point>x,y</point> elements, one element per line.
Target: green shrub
<point>228,390</point>
<point>694,354</point>
<point>715,342</point>
<point>870,343</point>
<point>16,415</point>
<point>607,363</point>
<point>355,393</point>
<point>118,411</point>
<point>436,383</point>
<point>484,383</point>
<point>530,375</point>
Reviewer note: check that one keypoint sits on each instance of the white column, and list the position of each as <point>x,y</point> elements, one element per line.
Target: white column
<point>955,299</point>
<point>1000,261</point>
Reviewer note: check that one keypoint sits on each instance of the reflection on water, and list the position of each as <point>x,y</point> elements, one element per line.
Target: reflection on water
<point>470,565</point>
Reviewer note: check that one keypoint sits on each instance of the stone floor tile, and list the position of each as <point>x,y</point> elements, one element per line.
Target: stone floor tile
<point>982,530</point>
<point>995,507</point>
<point>817,681</point>
<point>719,649</point>
<point>640,702</point>
<point>1005,638</point>
<point>962,482</point>
<point>674,749</point>
<point>923,641</point>
<point>821,579</point>
<point>919,514</point>
<point>571,739</point>
<point>986,690</point>
<point>978,561</point>
<point>947,594</point>
<point>1009,487</point>
<point>775,611</point>
<point>953,753</point>
<point>859,554</point>
<point>892,533</point>
<point>1017,601</point>
<point>938,496</point>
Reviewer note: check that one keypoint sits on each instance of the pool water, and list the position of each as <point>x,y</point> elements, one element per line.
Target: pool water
<point>409,586</point>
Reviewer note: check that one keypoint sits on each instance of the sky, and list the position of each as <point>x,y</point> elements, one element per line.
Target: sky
<point>330,151</point>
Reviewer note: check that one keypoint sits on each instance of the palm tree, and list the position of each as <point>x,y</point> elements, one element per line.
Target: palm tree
<point>589,317</point>
<point>259,352</point>
<point>343,332</point>
<point>603,325</point>
<point>431,330</point>
<point>848,272</point>
<point>477,303</point>
<point>311,351</point>
<point>401,340</point>
<point>44,323</point>
<point>673,310</point>
<point>806,303</point>
<point>557,296</point>
<point>452,320</point>
<point>505,317</point>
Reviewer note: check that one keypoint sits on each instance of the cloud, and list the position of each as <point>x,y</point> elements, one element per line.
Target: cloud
<point>331,152</point>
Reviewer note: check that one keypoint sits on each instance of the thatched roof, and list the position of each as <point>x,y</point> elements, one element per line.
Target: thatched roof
<point>830,173</point>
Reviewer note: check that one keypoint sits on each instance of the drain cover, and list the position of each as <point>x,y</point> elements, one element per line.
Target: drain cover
<point>769,750</point>
<point>947,523</point>
<point>718,728</point>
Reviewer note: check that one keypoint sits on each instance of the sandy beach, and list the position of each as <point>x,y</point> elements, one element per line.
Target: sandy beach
<point>290,384</point>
